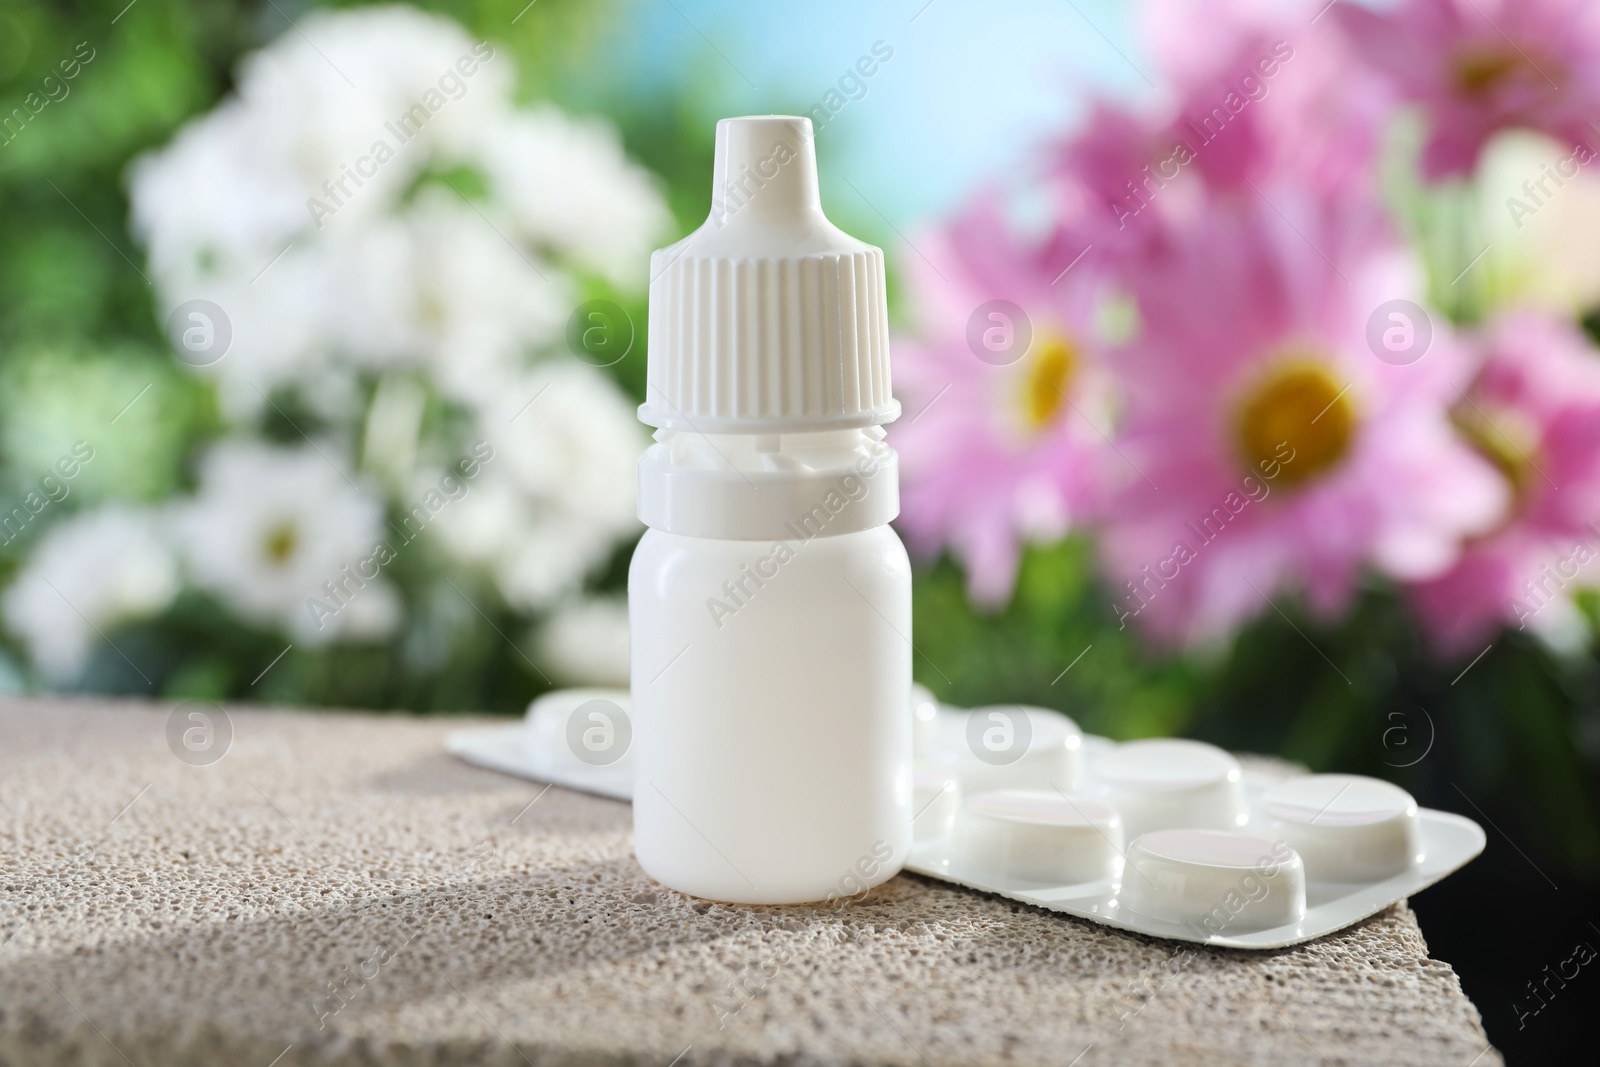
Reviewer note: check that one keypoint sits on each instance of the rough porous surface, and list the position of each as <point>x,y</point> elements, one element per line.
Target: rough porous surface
<point>338,890</point>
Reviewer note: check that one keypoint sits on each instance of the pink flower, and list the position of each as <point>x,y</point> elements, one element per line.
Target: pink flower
<point>1265,67</point>
<point>1478,66</point>
<point>1248,111</point>
<point>1275,450</point>
<point>1535,413</point>
<point>1121,173</point>
<point>1004,448</point>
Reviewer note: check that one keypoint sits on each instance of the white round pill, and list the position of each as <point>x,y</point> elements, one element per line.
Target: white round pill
<point>558,720</point>
<point>1037,835</point>
<point>1214,881</point>
<point>1347,828</point>
<point>1010,746</point>
<point>935,796</point>
<point>1169,783</point>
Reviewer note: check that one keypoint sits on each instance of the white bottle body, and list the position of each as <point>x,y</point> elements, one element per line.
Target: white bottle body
<point>772,743</point>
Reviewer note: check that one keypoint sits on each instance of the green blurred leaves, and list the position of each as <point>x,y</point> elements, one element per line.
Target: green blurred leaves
<point>127,401</point>
<point>1057,644</point>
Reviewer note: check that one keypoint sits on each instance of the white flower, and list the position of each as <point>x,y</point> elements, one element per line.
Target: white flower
<point>1539,205</point>
<point>570,186</point>
<point>87,574</point>
<point>273,530</point>
<point>558,495</point>
<point>441,287</point>
<point>234,185</point>
<point>325,93</point>
<point>293,207</point>
<point>570,438</point>
<point>550,559</point>
<point>482,528</point>
<point>211,204</point>
<point>275,325</point>
<point>586,642</point>
<point>325,209</point>
<point>536,551</point>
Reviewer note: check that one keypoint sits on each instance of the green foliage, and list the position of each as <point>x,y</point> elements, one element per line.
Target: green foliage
<point>127,402</point>
<point>1057,645</point>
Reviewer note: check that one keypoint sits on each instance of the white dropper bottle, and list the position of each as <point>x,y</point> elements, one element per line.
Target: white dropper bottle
<point>769,601</point>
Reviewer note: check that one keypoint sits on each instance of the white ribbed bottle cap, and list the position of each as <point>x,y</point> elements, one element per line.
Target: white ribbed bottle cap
<point>768,318</point>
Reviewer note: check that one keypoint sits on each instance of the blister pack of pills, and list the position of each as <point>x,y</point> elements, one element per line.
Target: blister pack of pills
<point>578,738</point>
<point>1164,837</point>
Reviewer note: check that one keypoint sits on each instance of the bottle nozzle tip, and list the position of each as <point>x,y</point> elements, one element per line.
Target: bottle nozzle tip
<point>765,170</point>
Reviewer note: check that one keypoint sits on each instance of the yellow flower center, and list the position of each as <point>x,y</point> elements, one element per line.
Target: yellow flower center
<point>1505,440</point>
<point>280,543</point>
<point>1481,69</point>
<point>1046,377</point>
<point>430,309</point>
<point>1478,70</point>
<point>1298,419</point>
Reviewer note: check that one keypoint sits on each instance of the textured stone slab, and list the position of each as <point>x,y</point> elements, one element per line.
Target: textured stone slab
<point>338,890</point>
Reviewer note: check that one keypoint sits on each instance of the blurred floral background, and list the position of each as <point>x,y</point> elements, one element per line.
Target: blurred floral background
<point>1247,349</point>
